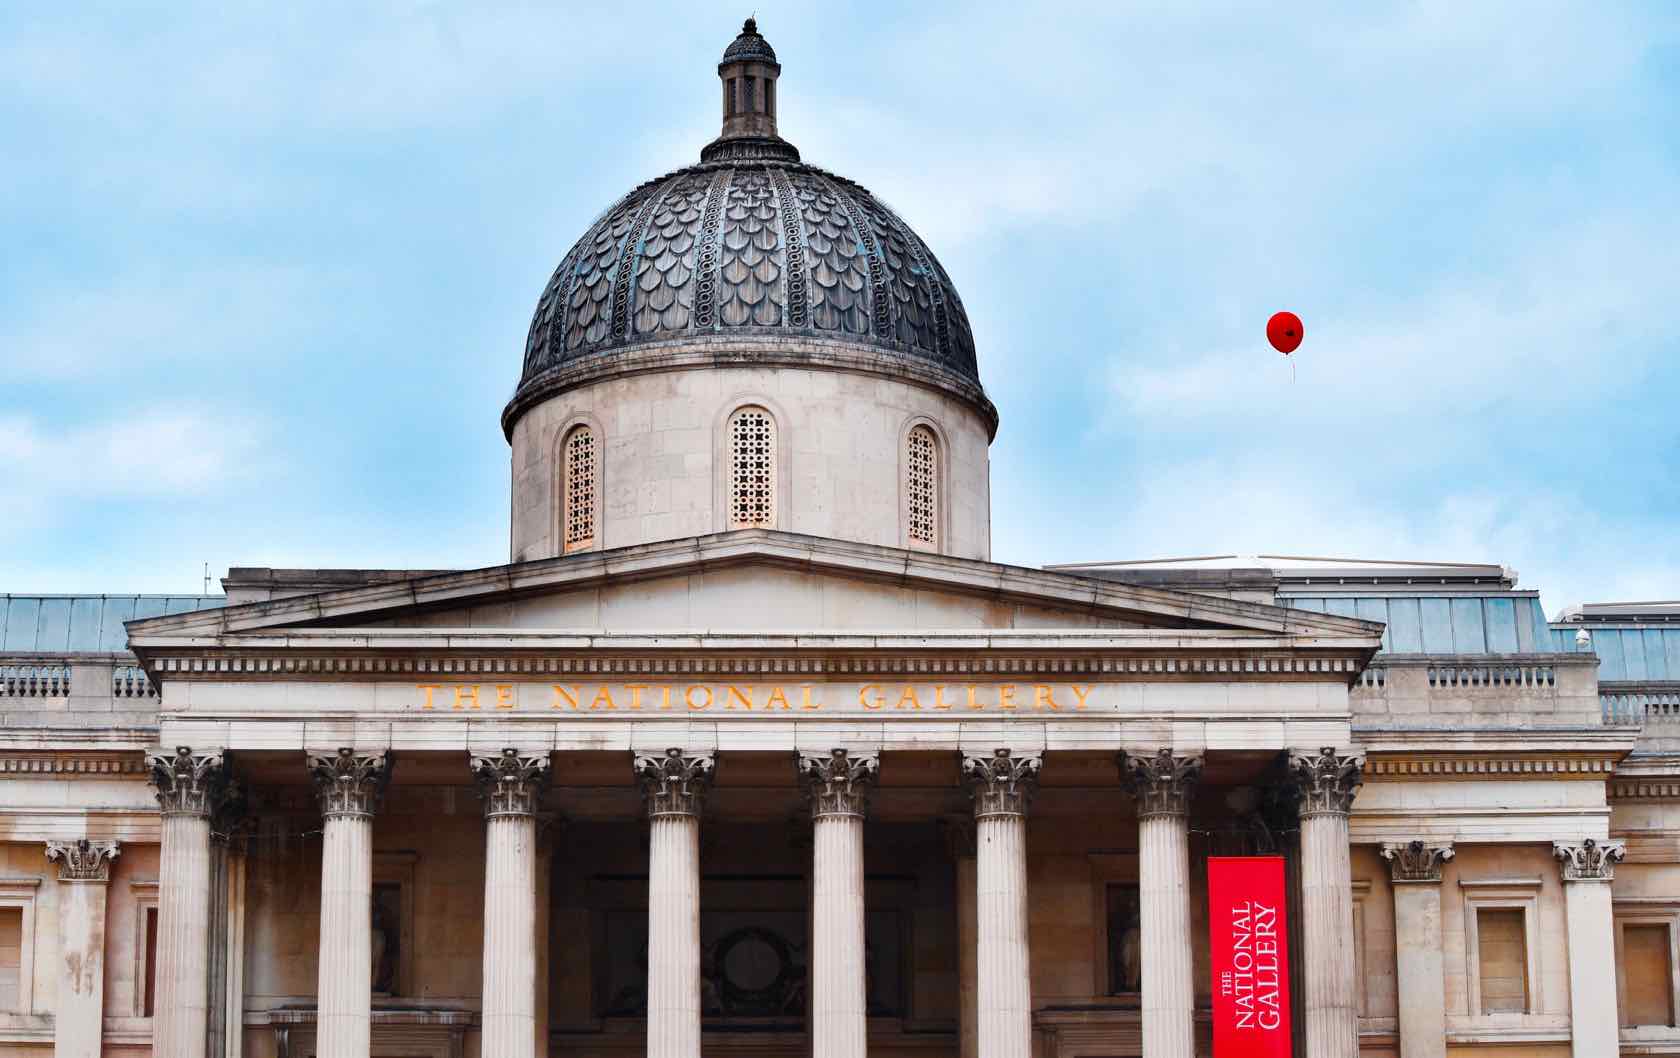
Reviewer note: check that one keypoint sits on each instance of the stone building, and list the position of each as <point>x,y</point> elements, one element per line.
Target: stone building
<point>750,749</point>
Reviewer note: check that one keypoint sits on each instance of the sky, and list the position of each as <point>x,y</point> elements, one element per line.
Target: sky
<point>267,269</point>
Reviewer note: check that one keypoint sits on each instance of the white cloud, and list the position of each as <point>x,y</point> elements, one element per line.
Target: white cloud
<point>155,455</point>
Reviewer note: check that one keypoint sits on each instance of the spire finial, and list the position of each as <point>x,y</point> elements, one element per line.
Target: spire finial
<point>750,26</point>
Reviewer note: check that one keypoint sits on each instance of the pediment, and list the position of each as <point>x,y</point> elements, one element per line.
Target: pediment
<point>753,581</point>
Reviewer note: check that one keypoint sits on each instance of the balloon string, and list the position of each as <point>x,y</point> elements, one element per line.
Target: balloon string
<point>1291,372</point>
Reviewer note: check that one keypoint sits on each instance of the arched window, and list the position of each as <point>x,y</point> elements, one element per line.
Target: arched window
<point>577,497</point>
<point>752,469</point>
<point>921,487</point>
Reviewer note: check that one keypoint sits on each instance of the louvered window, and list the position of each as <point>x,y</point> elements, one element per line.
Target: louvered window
<point>752,469</point>
<point>578,503</point>
<point>921,487</point>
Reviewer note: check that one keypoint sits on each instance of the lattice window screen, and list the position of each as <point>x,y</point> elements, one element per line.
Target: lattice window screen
<point>921,487</point>
<point>579,500</point>
<point>752,469</point>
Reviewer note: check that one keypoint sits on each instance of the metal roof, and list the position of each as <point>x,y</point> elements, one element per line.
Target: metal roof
<point>84,623</point>
<point>1639,653</point>
<point>1503,623</point>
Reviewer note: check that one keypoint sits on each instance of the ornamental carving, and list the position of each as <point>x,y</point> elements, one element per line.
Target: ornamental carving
<point>83,860</point>
<point>1002,784</point>
<point>1162,783</point>
<point>1589,861</point>
<point>187,783</point>
<point>511,783</point>
<point>348,783</point>
<point>675,783</point>
<point>1326,781</point>
<point>838,782</point>
<point>1415,861</point>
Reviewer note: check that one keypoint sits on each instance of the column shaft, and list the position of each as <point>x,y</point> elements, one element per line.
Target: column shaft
<point>840,1024</point>
<point>345,990</point>
<point>181,1011</point>
<point>1169,993</point>
<point>1004,985</point>
<point>510,937</point>
<point>1327,911</point>
<point>673,988</point>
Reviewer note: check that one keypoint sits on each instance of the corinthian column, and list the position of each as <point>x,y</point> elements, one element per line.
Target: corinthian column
<point>83,871</point>
<point>838,785</point>
<point>1162,785</point>
<point>1588,867</point>
<point>674,788</point>
<point>189,786</point>
<point>348,785</point>
<point>1415,867</point>
<point>512,785</point>
<point>1326,782</point>
<point>1002,786</point>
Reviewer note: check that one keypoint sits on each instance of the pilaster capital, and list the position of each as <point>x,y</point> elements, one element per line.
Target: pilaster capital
<point>187,783</point>
<point>1161,783</point>
<point>1003,783</point>
<point>349,783</point>
<point>676,782</point>
<point>838,781</point>
<point>1589,860</point>
<point>1326,781</point>
<point>83,860</point>
<point>511,782</point>
<point>1415,862</point>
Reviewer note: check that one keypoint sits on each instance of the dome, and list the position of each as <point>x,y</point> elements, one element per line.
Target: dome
<point>751,256</point>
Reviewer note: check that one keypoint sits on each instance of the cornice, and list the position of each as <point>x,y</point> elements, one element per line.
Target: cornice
<point>43,762</point>
<point>1424,765</point>
<point>1560,740</point>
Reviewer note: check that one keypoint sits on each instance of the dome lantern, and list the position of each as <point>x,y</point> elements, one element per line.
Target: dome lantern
<point>749,72</point>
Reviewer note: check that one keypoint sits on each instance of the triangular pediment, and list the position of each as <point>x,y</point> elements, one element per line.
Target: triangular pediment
<point>753,580</point>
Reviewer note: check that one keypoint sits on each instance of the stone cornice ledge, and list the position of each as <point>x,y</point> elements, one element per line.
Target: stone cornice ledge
<point>1381,740</point>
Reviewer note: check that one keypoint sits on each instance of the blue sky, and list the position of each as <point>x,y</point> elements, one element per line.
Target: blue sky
<point>267,269</point>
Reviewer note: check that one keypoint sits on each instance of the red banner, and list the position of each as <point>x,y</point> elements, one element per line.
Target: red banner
<point>1250,956</point>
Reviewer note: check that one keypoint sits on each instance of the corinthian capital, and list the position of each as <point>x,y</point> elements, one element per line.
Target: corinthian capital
<point>1414,861</point>
<point>1589,861</point>
<point>1003,783</point>
<point>838,782</point>
<point>1326,781</point>
<point>674,783</point>
<point>510,782</point>
<point>348,783</point>
<point>187,783</point>
<point>83,860</point>
<point>1162,783</point>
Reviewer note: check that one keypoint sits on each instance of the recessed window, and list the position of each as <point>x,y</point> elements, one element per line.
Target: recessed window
<point>11,959</point>
<point>1503,954</point>
<point>148,989</point>
<point>1647,981</point>
<point>578,493</point>
<point>921,487</point>
<point>1125,940</point>
<point>752,469</point>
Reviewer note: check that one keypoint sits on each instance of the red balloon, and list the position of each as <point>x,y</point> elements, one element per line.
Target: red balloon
<point>1285,332</point>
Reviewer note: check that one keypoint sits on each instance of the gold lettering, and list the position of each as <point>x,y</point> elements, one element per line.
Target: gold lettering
<point>909,695</point>
<point>1080,693</point>
<point>863,697</point>
<point>972,703</point>
<point>939,701</point>
<point>805,701</point>
<point>636,690</point>
<point>428,688</point>
<point>1043,697</point>
<point>1006,696</point>
<point>504,696</point>
<point>776,695</point>
<point>736,694</point>
<point>688,696</point>
<point>567,695</point>
<point>603,695</point>
<point>665,697</point>
<point>466,693</point>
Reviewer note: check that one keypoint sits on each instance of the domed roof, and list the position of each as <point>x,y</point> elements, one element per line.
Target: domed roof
<point>754,256</point>
<point>749,46</point>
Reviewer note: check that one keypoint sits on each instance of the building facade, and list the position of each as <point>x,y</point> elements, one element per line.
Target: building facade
<point>751,749</point>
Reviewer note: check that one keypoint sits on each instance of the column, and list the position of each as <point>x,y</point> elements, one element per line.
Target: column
<point>1002,786</point>
<point>1415,869</point>
<point>511,784</point>
<point>959,840</point>
<point>838,786</point>
<point>189,785</point>
<point>84,868</point>
<point>1325,783</point>
<point>674,787</point>
<point>348,785</point>
<point>1588,867</point>
<point>1162,785</point>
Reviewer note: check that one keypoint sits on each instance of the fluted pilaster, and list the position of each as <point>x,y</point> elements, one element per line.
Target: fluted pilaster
<point>511,783</point>
<point>838,786</point>
<point>1162,785</point>
<point>674,788</point>
<point>189,786</point>
<point>1326,783</point>
<point>348,785</point>
<point>1002,786</point>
